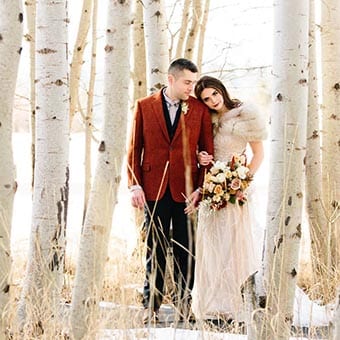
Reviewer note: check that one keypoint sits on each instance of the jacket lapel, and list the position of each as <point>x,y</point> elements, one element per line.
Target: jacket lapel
<point>157,108</point>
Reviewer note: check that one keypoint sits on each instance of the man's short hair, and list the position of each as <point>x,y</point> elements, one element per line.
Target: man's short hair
<point>182,64</point>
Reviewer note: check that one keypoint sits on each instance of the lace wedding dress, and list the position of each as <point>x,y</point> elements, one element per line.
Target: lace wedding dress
<point>225,254</point>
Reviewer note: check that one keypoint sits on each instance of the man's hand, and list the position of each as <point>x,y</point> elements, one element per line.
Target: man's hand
<point>138,198</point>
<point>192,202</point>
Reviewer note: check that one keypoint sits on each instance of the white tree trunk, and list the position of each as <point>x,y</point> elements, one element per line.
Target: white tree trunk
<point>89,110</point>
<point>314,204</point>
<point>156,42</point>
<point>31,16</point>
<point>288,144</point>
<point>183,29</point>
<point>94,239</point>
<point>138,75</point>
<point>78,52</point>
<point>330,46</point>
<point>139,56</point>
<point>201,36</point>
<point>43,281</point>
<point>190,44</point>
<point>11,18</point>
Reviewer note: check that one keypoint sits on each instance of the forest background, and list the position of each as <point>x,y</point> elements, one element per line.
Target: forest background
<point>238,49</point>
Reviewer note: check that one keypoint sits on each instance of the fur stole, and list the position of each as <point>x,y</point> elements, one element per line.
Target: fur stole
<point>245,121</point>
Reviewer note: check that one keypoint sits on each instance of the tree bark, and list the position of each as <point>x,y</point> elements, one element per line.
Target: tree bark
<point>288,145</point>
<point>201,36</point>
<point>156,43</point>
<point>314,205</point>
<point>40,298</point>
<point>184,28</point>
<point>139,81</point>
<point>190,44</point>
<point>78,52</point>
<point>330,47</point>
<point>139,56</point>
<point>11,28</point>
<point>31,17</point>
<point>89,110</point>
<point>103,196</point>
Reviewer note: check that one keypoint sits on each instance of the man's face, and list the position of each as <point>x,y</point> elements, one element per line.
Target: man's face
<point>182,84</point>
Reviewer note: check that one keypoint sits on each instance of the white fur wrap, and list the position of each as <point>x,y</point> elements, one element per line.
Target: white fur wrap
<point>246,121</point>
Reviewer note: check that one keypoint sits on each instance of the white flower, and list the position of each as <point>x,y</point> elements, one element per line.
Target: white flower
<point>242,171</point>
<point>185,107</point>
<point>220,178</point>
<point>210,187</point>
<point>217,198</point>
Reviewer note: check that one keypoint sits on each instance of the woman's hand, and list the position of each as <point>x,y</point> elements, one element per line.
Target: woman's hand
<point>204,158</point>
<point>192,202</point>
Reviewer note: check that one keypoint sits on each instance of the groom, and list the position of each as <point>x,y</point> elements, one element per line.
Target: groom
<point>168,129</point>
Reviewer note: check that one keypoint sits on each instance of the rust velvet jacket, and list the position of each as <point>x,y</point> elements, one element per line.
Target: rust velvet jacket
<point>156,161</point>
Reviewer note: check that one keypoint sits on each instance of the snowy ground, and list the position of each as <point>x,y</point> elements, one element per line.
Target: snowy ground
<point>306,313</point>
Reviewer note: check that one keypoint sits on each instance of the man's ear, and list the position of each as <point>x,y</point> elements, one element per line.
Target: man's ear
<point>171,79</point>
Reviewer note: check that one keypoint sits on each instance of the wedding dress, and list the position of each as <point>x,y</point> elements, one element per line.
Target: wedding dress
<point>225,254</point>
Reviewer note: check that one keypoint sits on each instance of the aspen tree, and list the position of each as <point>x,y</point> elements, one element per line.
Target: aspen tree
<point>156,42</point>
<point>330,49</point>
<point>40,298</point>
<point>88,283</point>
<point>11,28</point>
<point>288,146</point>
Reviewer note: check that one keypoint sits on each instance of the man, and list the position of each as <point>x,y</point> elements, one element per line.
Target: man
<point>168,130</point>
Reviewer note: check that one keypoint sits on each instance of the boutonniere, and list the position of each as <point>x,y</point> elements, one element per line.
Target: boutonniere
<point>185,107</point>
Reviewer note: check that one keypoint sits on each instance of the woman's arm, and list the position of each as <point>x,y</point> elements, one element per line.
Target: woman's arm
<point>258,154</point>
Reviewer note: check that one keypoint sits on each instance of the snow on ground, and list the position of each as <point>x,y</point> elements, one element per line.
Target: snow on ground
<point>166,334</point>
<point>170,333</point>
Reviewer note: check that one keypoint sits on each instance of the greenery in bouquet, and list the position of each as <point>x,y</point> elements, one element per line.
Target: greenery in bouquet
<point>226,182</point>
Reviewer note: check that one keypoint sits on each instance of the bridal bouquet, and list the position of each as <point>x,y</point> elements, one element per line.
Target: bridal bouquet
<point>226,183</point>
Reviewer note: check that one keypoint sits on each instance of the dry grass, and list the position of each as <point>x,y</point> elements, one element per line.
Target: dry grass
<point>121,306</point>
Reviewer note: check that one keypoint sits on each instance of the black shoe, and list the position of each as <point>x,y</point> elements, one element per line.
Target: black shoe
<point>150,316</point>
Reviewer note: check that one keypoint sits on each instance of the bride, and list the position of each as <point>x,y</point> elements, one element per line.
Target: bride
<point>225,254</point>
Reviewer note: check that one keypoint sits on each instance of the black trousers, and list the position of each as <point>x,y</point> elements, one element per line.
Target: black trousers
<point>159,216</point>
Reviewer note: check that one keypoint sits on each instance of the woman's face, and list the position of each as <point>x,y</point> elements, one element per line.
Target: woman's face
<point>213,99</point>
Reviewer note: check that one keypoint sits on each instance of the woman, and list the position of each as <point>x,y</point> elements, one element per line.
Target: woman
<point>225,255</point>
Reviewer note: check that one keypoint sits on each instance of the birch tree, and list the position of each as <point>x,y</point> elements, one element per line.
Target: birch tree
<point>330,47</point>
<point>11,19</point>
<point>89,109</point>
<point>190,44</point>
<point>30,7</point>
<point>139,56</point>
<point>288,144</point>
<point>44,275</point>
<point>316,214</point>
<point>183,30</point>
<point>138,75</point>
<point>156,42</point>
<point>78,53</point>
<point>103,196</point>
<point>201,34</point>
